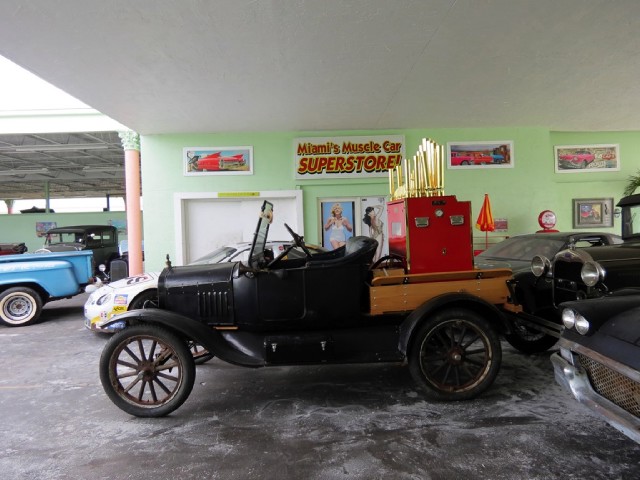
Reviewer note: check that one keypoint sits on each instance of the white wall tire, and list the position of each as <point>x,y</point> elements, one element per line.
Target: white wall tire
<point>20,306</point>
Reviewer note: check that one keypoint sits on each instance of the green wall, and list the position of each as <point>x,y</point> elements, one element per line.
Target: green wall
<point>22,227</point>
<point>518,194</point>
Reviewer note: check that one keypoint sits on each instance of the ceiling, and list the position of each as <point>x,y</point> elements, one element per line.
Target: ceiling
<point>159,66</point>
<point>69,164</point>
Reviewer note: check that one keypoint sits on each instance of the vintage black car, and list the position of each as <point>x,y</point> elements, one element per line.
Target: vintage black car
<point>102,240</point>
<point>333,307</point>
<point>598,360</point>
<point>536,319</point>
<point>596,272</point>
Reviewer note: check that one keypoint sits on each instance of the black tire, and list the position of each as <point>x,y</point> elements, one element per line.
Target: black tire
<point>145,299</point>
<point>147,371</point>
<point>20,306</point>
<point>455,355</point>
<point>200,354</point>
<point>528,340</point>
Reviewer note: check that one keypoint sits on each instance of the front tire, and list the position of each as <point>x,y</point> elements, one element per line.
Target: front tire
<point>20,306</point>
<point>146,299</point>
<point>147,371</point>
<point>529,341</point>
<point>455,355</point>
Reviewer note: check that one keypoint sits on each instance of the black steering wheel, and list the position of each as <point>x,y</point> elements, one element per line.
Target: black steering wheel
<point>299,241</point>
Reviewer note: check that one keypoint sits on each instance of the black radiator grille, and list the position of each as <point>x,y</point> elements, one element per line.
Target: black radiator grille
<point>613,386</point>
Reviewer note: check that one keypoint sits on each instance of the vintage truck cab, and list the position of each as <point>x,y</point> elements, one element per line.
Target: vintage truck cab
<point>335,307</point>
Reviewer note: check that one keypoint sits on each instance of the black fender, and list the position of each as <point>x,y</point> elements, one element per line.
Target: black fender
<point>206,336</point>
<point>453,300</point>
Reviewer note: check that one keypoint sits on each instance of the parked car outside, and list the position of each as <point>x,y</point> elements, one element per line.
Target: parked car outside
<point>139,290</point>
<point>531,298</point>
<point>576,159</point>
<point>598,361</point>
<point>102,240</point>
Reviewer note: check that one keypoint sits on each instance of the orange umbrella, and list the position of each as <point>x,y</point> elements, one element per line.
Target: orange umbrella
<point>485,219</point>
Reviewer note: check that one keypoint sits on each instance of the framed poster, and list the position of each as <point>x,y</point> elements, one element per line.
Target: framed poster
<point>586,158</point>
<point>495,154</point>
<point>592,212</point>
<point>373,219</point>
<point>217,161</point>
<point>337,221</point>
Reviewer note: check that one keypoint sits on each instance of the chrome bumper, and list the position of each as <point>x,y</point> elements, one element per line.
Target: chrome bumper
<point>575,380</point>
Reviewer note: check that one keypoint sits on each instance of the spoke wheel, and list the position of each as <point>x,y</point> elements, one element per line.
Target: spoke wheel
<point>147,371</point>
<point>200,354</point>
<point>528,340</point>
<point>455,355</point>
<point>20,306</point>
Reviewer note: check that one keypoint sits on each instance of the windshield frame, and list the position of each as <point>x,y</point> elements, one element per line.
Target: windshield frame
<point>258,245</point>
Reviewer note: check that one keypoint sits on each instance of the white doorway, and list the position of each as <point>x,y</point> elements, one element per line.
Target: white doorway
<point>206,221</point>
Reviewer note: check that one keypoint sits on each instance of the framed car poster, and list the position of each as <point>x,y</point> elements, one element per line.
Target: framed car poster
<point>586,158</point>
<point>592,212</point>
<point>481,154</point>
<point>217,161</point>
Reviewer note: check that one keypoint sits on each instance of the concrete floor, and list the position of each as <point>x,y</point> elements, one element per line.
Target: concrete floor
<point>319,422</point>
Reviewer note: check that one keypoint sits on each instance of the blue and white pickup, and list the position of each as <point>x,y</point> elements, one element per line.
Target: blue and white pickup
<point>29,281</point>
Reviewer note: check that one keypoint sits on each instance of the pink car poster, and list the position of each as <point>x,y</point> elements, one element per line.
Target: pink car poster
<point>217,161</point>
<point>586,158</point>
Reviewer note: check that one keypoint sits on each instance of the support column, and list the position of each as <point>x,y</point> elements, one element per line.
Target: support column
<point>131,144</point>
<point>9,203</point>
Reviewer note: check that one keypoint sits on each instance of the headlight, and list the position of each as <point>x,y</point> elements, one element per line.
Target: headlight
<point>591,273</point>
<point>582,325</point>
<point>568,318</point>
<point>104,299</point>
<point>540,265</point>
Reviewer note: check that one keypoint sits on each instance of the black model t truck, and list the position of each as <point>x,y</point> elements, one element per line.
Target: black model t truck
<point>334,307</point>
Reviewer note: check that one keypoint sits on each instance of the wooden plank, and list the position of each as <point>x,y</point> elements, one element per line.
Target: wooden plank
<point>408,297</point>
<point>397,276</point>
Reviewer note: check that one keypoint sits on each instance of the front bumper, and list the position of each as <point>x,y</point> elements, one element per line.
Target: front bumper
<point>572,377</point>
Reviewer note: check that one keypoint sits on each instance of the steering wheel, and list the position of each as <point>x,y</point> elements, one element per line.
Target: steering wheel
<point>299,241</point>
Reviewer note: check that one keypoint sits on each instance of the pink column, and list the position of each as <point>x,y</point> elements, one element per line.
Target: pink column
<point>131,145</point>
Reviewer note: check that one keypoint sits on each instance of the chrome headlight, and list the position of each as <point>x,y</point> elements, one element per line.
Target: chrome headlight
<point>568,318</point>
<point>582,325</point>
<point>104,299</point>
<point>591,273</point>
<point>540,265</point>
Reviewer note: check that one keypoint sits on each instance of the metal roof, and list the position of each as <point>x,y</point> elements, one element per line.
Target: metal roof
<point>87,164</point>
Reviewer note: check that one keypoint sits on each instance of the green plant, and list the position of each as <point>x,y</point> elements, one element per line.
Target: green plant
<point>633,182</point>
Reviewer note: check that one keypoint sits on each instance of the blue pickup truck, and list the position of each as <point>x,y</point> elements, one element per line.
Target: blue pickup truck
<point>29,281</point>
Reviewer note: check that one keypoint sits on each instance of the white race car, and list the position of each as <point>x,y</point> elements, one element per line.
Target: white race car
<point>140,290</point>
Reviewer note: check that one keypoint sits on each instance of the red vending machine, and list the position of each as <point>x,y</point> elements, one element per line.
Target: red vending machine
<point>433,233</point>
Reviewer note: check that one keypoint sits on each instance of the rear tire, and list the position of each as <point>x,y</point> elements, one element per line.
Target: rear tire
<point>455,355</point>
<point>20,306</point>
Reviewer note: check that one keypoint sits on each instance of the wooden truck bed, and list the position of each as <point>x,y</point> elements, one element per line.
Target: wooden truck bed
<point>394,291</point>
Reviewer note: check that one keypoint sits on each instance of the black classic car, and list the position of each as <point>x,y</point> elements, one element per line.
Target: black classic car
<point>333,307</point>
<point>102,240</point>
<point>598,360</point>
<point>536,320</point>
<point>596,272</point>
